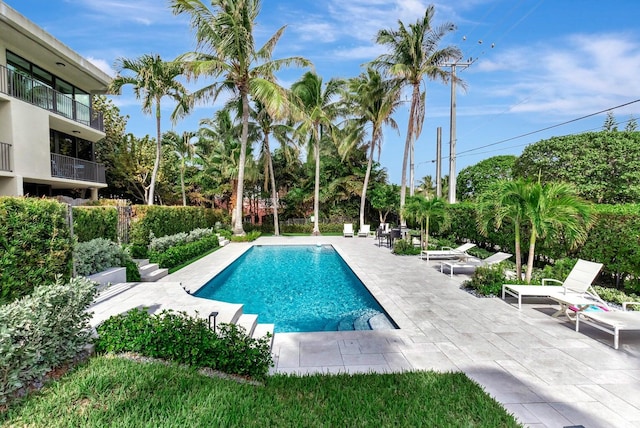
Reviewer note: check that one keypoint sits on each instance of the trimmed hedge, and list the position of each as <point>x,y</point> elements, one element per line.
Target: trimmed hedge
<point>35,245</point>
<point>158,221</point>
<point>179,337</point>
<point>42,331</point>
<point>179,254</point>
<point>95,222</point>
<point>308,228</point>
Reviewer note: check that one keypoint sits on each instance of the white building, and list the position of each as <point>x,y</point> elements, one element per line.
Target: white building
<point>47,125</point>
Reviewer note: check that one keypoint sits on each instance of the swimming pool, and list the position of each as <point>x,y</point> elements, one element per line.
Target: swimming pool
<point>299,288</point>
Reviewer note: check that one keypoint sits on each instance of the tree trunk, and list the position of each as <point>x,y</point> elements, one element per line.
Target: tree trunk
<point>363,197</point>
<point>532,253</point>
<point>274,189</point>
<point>156,164</point>
<point>184,193</point>
<point>407,146</point>
<point>316,191</point>
<point>518,252</point>
<point>237,226</point>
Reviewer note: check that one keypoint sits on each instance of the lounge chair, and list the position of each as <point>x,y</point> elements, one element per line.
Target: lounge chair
<point>610,321</point>
<point>473,263</point>
<point>364,231</point>
<point>447,252</point>
<point>347,230</point>
<point>577,283</point>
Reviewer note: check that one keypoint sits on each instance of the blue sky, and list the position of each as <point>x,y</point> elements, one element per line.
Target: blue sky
<point>552,61</point>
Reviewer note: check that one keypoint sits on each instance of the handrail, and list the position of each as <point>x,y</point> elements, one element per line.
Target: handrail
<point>37,93</point>
<point>77,169</point>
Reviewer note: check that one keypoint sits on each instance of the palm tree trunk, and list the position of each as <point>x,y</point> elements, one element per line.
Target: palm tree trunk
<point>274,190</point>
<point>316,191</point>
<point>532,253</point>
<point>518,251</point>
<point>156,164</point>
<point>184,193</point>
<point>237,227</point>
<point>407,146</point>
<point>363,197</point>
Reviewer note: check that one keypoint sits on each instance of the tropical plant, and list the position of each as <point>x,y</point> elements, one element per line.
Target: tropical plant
<point>415,54</point>
<point>385,198</point>
<point>475,179</point>
<point>318,107</point>
<point>425,211</point>
<point>374,101</point>
<point>152,79</point>
<point>181,145</point>
<point>550,210</point>
<point>225,38</point>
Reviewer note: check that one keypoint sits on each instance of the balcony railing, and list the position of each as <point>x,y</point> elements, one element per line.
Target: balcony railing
<point>35,92</point>
<point>76,169</point>
<point>5,157</point>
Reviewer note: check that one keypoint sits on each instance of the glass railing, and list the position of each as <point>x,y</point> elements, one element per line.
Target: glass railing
<point>76,169</point>
<point>35,92</point>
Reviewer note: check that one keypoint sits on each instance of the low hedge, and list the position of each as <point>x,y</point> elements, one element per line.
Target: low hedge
<point>101,254</point>
<point>42,331</point>
<point>95,222</point>
<point>179,337</point>
<point>179,254</point>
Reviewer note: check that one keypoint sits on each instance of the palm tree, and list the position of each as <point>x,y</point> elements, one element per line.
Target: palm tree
<point>424,211</point>
<point>225,36</point>
<point>374,101</point>
<point>181,145</point>
<point>546,209</point>
<point>318,107</point>
<point>152,80</point>
<point>426,186</point>
<point>414,55</point>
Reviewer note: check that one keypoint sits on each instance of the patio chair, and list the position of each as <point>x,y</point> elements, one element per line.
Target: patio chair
<point>347,230</point>
<point>473,263</point>
<point>577,284</point>
<point>364,231</point>
<point>610,321</point>
<point>447,252</point>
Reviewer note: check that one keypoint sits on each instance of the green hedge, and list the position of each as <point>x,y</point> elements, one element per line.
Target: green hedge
<point>95,222</point>
<point>101,254</point>
<point>35,245</point>
<point>160,221</point>
<point>179,337</point>
<point>175,256</point>
<point>308,228</point>
<point>42,331</point>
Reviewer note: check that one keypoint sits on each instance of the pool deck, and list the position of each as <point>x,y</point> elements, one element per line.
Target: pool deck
<point>537,366</point>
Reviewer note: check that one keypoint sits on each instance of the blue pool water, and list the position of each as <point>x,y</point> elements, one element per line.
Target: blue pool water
<point>299,289</point>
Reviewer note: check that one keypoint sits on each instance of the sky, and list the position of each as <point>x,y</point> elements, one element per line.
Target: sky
<point>539,68</point>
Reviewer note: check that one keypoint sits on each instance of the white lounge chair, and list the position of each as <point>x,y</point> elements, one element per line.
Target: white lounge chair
<point>578,283</point>
<point>447,252</point>
<point>364,231</point>
<point>473,263</point>
<point>347,230</point>
<point>610,321</point>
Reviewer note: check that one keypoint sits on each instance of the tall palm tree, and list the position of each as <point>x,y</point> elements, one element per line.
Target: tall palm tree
<point>152,79</point>
<point>181,145</point>
<point>415,54</point>
<point>546,209</point>
<point>318,107</point>
<point>374,101</point>
<point>425,211</point>
<point>225,39</point>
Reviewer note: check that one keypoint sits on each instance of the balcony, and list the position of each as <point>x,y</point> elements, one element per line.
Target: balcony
<point>77,169</point>
<point>35,92</point>
<point>5,157</point>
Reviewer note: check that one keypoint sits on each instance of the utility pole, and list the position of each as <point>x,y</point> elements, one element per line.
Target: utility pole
<point>439,162</point>
<point>452,129</point>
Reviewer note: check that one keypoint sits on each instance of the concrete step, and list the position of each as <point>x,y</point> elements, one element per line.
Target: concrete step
<point>249,322</point>
<point>141,262</point>
<point>261,331</point>
<point>149,267</point>
<point>154,275</point>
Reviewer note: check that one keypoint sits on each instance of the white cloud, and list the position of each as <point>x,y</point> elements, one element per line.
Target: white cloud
<point>102,65</point>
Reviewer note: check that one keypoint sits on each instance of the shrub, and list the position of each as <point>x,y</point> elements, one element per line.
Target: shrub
<point>95,222</point>
<point>248,237</point>
<point>36,245</point>
<point>42,331</point>
<point>177,255</point>
<point>616,296</point>
<point>178,337</point>
<point>101,254</point>
<point>403,247</point>
<point>487,280</point>
<point>162,244</point>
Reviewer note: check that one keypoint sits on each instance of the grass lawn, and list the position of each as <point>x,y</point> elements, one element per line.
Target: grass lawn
<point>123,393</point>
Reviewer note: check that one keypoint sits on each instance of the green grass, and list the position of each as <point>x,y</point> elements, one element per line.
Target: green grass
<point>123,393</point>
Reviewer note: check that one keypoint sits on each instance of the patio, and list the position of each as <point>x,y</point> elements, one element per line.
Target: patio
<point>537,366</point>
